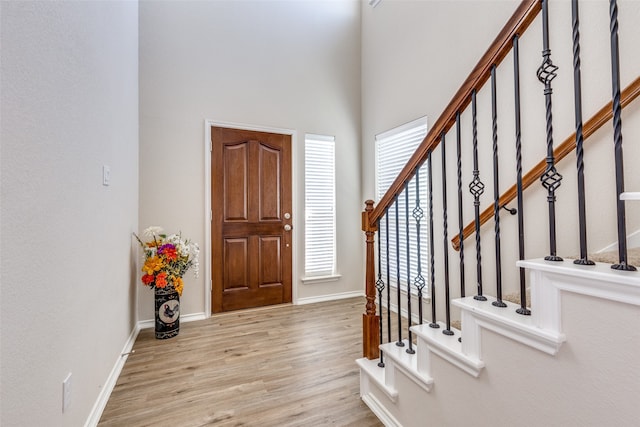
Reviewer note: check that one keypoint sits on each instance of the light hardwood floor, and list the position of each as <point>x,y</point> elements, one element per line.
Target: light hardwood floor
<point>280,366</point>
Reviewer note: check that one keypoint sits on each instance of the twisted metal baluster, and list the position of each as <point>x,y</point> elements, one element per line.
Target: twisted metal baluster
<point>399,343</point>
<point>460,213</point>
<point>577,98</point>
<point>418,214</point>
<point>551,179</point>
<point>380,287</point>
<point>617,135</point>
<point>386,234</point>
<point>476,187</point>
<point>410,350</point>
<point>496,190</point>
<point>516,78</point>
<point>432,270</point>
<point>447,330</point>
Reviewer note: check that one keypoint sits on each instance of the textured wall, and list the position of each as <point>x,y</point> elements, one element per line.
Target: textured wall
<point>69,106</point>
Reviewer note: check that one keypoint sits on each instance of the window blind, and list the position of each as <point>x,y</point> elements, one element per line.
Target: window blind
<point>393,150</point>
<point>320,212</point>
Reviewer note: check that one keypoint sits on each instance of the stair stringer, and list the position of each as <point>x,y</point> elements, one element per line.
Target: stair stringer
<point>548,375</point>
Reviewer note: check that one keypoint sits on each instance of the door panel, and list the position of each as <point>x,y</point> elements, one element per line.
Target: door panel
<point>236,268</point>
<point>269,184</point>
<point>235,182</point>
<point>251,189</point>
<point>271,268</point>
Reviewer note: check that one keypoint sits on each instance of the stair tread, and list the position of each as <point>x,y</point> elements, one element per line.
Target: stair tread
<point>448,347</point>
<point>407,362</point>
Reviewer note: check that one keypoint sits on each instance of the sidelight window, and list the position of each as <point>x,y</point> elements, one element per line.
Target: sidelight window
<point>320,209</point>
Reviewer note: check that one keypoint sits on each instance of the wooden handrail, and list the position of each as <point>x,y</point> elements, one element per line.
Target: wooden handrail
<point>601,117</point>
<point>517,24</point>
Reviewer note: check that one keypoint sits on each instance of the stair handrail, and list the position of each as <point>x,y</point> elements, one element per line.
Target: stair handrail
<point>497,51</point>
<point>601,117</point>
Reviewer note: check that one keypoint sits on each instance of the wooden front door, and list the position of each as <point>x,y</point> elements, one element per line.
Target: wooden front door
<point>251,224</point>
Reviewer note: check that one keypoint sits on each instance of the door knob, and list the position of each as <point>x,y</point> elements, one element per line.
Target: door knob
<point>287,227</point>
<point>287,216</point>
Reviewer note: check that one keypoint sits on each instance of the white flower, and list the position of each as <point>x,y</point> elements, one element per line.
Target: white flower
<point>183,249</point>
<point>173,239</point>
<point>152,231</point>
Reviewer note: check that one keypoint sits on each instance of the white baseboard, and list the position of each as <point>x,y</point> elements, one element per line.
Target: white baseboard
<point>331,297</point>
<point>112,378</point>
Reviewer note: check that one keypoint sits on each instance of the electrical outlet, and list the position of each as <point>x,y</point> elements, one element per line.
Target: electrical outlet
<point>66,392</point>
<point>106,175</point>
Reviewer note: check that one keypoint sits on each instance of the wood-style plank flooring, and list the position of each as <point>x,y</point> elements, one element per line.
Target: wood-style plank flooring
<point>279,366</point>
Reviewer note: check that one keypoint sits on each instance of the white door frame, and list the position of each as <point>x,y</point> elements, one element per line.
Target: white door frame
<point>205,253</point>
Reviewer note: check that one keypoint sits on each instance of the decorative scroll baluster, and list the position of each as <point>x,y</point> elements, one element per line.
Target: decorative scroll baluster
<point>418,214</point>
<point>496,190</point>
<point>551,179</point>
<point>516,79</point>
<point>617,135</point>
<point>476,187</point>
<point>386,234</point>
<point>410,350</point>
<point>432,257</point>
<point>380,287</point>
<point>460,215</point>
<point>399,343</point>
<point>577,97</point>
<point>447,330</point>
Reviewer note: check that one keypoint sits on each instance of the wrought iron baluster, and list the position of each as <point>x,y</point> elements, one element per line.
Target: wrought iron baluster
<point>496,190</point>
<point>476,187</point>
<point>516,79</point>
<point>380,287</point>
<point>410,350</point>
<point>432,270</point>
<point>399,343</point>
<point>551,179</point>
<point>577,98</point>
<point>447,330</point>
<point>386,234</point>
<point>617,135</point>
<point>418,214</point>
<point>460,213</point>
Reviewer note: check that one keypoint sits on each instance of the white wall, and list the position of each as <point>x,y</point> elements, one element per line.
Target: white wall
<point>69,106</point>
<point>289,65</point>
<point>437,44</point>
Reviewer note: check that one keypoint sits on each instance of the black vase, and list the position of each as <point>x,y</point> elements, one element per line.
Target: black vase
<point>167,313</point>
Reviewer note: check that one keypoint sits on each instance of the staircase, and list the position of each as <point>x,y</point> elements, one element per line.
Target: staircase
<point>568,352</point>
<point>573,362</point>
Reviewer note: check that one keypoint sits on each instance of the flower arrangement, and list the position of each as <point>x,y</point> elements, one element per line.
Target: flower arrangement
<point>167,259</point>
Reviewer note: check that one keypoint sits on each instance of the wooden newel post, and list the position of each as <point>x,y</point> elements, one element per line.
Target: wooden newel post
<point>370,320</point>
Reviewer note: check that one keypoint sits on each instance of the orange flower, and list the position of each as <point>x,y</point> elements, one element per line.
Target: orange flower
<point>170,254</point>
<point>147,279</point>
<point>178,284</point>
<point>151,265</point>
<point>161,280</point>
